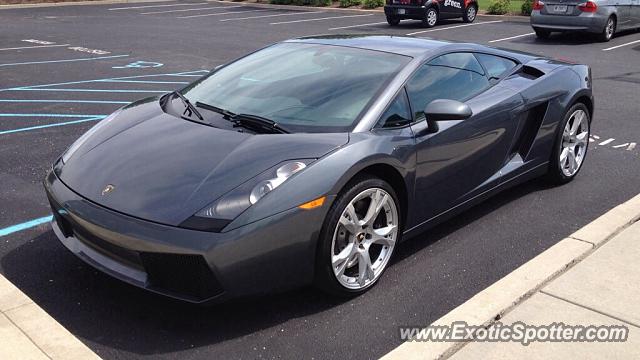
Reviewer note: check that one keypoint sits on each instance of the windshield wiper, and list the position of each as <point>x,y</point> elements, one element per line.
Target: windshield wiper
<point>224,112</point>
<point>189,108</point>
<point>256,121</point>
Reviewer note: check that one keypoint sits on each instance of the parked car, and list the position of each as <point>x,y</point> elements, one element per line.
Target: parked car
<point>267,174</point>
<point>430,11</point>
<point>601,17</point>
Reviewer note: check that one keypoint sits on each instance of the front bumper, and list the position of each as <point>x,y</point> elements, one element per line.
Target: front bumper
<point>273,254</point>
<point>587,22</point>
<point>405,11</point>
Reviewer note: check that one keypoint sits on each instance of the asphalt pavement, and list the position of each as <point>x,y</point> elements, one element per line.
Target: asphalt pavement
<point>64,68</point>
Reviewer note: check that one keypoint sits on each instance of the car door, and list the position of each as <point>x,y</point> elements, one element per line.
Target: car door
<point>450,8</point>
<point>635,12</point>
<point>623,13</point>
<point>461,158</point>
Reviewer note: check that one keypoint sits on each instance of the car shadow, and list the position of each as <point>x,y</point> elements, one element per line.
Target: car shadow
<point>106,311</point>
<point>570,38</point>
<point>419,242</point>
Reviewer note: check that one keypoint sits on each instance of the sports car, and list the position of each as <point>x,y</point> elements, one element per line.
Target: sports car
<point>308,161</point>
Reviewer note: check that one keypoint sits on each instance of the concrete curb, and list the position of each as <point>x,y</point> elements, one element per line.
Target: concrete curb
<point>28,332</point>
<point>498,299</point>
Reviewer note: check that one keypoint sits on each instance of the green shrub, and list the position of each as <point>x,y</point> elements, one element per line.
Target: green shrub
<point>526,8</point>
<point>372,4</point>
<point>347,3</point>
<point>499,7</point>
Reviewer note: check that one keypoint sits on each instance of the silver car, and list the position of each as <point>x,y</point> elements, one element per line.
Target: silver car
<point>602,17</point>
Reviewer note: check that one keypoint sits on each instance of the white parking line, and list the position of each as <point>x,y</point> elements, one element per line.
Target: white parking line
<point>224,13</point>
<point>33,47</point>
<point>607,141</point>
<point>196,9</point>
<point>353,26</point>
<point>274,15</point>
<point>619,46</point>
<point>513,37</point>
<point>151,6</point>
<point>319,19</point>
<point>456,26</point>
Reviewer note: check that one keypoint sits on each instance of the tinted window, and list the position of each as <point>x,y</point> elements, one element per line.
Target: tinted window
<point>398,113</point>
<point>304,87</point>
<point>496,66</point>
<point>465,61</point>
<point>433,82</point>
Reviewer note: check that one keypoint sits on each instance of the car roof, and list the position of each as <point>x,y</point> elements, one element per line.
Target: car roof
<point>404,45</point>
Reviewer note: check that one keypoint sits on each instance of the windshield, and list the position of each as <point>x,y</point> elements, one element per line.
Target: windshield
<point>303,87</point>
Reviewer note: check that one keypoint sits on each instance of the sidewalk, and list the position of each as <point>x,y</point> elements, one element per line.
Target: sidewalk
<point>590,278</point>
<point>28,332</point>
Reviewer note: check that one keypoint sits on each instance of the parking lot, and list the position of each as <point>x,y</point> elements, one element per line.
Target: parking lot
<point>64,68</point>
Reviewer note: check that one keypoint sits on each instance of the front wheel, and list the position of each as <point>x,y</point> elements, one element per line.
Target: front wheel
<point>572,142</point>
<point>358,237</point>
<point>470,14</point>
<point>393,20</point>
<point>430,18</point>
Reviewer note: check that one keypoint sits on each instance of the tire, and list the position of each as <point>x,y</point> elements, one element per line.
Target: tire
<point>559,170</point>
<point>609,30</point>
<point>430,18</point>
<point>542,34</point>
<point>393,20</point>
<point>343,243</point>
<point>470,13</point>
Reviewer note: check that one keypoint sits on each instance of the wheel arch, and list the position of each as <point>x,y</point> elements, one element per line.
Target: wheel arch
<point>394,178</point>
<point>585,97</point>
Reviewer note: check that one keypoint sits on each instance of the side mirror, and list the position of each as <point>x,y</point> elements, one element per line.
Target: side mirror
<point>443,109</point>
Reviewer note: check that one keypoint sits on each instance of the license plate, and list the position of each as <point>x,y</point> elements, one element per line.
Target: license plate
<point>401,11</point>
<point>560,8</point>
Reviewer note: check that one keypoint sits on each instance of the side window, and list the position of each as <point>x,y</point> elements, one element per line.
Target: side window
<point>496,66</point>
<point>397,114</point>
<point>463,61</point>
<point>445,79</point>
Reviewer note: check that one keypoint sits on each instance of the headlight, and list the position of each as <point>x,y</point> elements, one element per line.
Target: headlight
<point>216,215</point>
<point>282,173</point>
<point>82,139</point>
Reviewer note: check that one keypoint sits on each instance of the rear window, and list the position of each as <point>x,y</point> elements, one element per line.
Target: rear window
<point>496,66</point>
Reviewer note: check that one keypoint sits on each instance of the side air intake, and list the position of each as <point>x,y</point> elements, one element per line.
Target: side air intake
<point>529,129</point>
<point>531,72</point>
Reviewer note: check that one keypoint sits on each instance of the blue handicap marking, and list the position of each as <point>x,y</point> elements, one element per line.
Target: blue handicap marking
<point>140,65</point>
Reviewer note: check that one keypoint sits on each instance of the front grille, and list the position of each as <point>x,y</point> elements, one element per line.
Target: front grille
<point>181,274</point>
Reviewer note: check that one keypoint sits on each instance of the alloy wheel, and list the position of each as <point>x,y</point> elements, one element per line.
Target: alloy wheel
<point>575,138</point>
<point>471,13</point>
<point>432,17</point>
<point>364,238</point>
<point>610,28</point>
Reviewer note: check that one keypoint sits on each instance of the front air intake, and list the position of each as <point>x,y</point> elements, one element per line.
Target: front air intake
<point>185,275</point>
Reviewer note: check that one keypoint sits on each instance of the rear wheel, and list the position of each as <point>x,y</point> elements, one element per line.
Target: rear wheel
<point>470,14</point>
<point>393,20</point>
<point>542,34</point>
<point>430,18</point>
<point>572,142</point>
<point>609,30</point>
<point>358,237</point>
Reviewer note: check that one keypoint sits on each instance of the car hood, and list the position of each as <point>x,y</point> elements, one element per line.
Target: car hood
<point>164,169</point>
